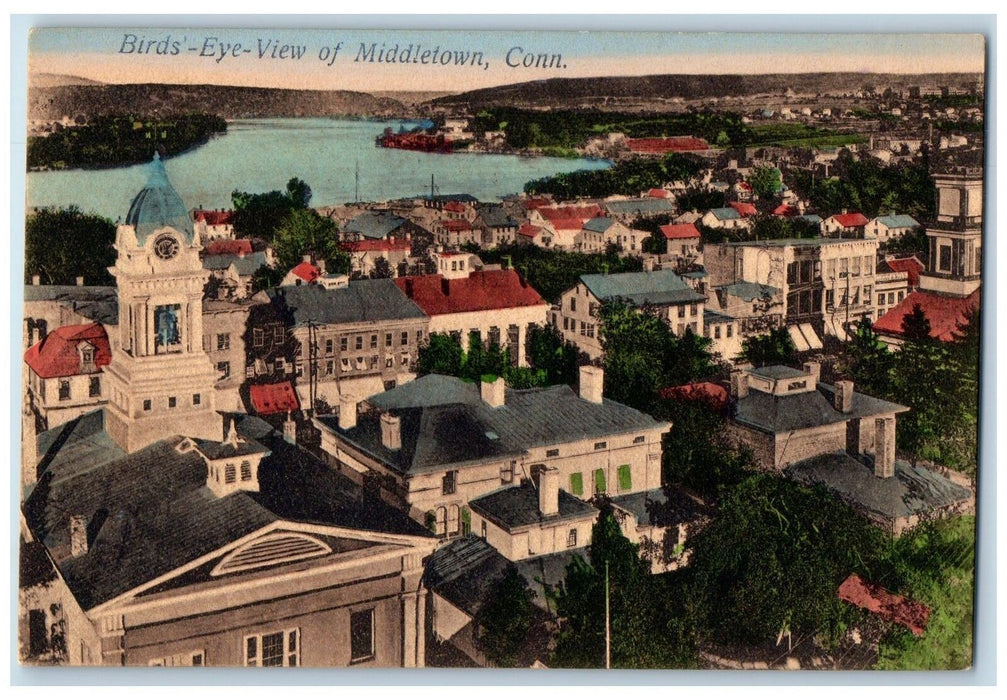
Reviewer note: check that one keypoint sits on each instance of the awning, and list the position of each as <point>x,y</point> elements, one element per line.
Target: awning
<point>798,338</point>
<point>273,398</point>
<point>809,335</point>
<point>361,387</point>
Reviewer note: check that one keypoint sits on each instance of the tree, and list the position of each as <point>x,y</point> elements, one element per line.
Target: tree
<point>547,351</point>
<point>298,193</point>
<point>505,618</point>
<point>261,215</point>
<point>916,325</point>
<point>63,244</point>
<point>773,348</point>
<point>442,354</point>
<point>303,232</point>
<point>867,359</point>
<point>765,181</point>
<point>382,269</point>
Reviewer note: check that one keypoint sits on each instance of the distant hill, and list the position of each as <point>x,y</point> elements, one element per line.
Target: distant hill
<point>230,102</point>
<point>56,79</point>
<point>573,92</point>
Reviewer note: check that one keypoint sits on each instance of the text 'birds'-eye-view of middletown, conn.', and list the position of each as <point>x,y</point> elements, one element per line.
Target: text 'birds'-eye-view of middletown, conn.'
<point>537,350</point>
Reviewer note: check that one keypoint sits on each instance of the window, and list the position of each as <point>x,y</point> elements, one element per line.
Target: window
<point>583,328</point>
<point>329,346</point>
<point>830,298</point>
<point>190,658</point>
<point>449,483</point>
<point>466,520</point>
<point>571,539</point>
<point>246,470</point>
<point>257,337</point>
<point>625,478</point>
<point>360,342</point>
<point>223,341</point>
<point>419,337</point>
<point>716,332</point>
<point>693,309</point>
<point>343,344</point>
<point>681,311</point>
<point>374,340</point>
<point>730,330</point>
<point>146,404</point>
<point>405,338</point>
<point>901,295</point>
<point>482,529</point>
<point>573,303</point>
<point>881,300</point>
<point>275,649</point>
<point>94,387</point>
<point>172,402</point>
<point>330,367</point>
<point>64,389</point>
<point>856,266</point>
<point>388,340</point>
<point>224,369</point>
<point>599,481</point>
<point>453,520</point>
<point>441,521</point>
<point>507,472</point>
<point>945,258</point>
<point>389,362</point>
<point>891,297</point>
<point>230,474</point>
<point>600,445</point>
<point>867,294</point>
<point>577,484</point>
<point>844,267</point>
<point>196,399</point>
<point>345,364</point>
<point>552,453</point>
<point>639,440</point>
<point>566,323</point>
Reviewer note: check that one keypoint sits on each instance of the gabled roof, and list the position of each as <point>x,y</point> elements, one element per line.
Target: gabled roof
<point>244,264</point>
<point>581,212</point>
<point>213,217</point>
<point>810,218</point>
<point>944,314</point>
<point>516,507</point>
<point>58,354</point>
<point>910,265</point>
<point>663,507</point>
<point>359,300</point>
<point>599,224</point>
<point>658,287</point>
<point>658,193</point>
<point>567,224</point>
<point>226,246</point>
<point>455,224</point>
<point>529,230</point>
<point>373,224</point>
<point>368,246</point>
<point>786,210</point>
<point>676,231</point>
<point>744,208</point>
<point>482,290</point>
<point>495,216</point>
<point>639,206</point>
<point>898,221</point>
<point>850,220</point>
<point>769,413</point>
<point>725,213</point>
<point>306,271</point>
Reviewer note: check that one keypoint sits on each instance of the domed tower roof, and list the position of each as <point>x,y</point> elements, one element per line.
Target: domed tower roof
<point>158,205</point>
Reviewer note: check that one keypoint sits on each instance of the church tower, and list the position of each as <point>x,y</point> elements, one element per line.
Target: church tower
<point>956,236</point>
<point>160,380</point>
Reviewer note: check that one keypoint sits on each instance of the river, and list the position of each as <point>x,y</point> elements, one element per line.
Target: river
<point>263,154</point>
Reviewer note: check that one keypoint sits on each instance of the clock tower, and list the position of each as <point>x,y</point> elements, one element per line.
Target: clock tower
<point>160,380</point>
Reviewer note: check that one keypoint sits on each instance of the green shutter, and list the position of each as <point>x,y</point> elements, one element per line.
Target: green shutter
<point>625,478</point>
<point>466,521</point>
<point>577,484</point>
<point>599,481</point>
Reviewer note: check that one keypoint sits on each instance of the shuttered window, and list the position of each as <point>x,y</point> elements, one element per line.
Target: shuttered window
<point>599,481</point>
<point>625,478</point>
<point>577,484</point>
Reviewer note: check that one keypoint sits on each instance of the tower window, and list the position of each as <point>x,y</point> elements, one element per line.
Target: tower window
<point>146,404</point>
<point>230,474</point>
<point>167,333</point>
<point>196,399</point>
<point>246,470</point>
<point>171,402</point>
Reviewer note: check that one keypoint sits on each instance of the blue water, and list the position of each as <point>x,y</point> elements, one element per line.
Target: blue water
<point>263,154</point>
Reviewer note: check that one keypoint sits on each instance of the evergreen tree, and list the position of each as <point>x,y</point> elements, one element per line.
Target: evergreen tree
<point>773,348</point>
<point>915,325</point>
<point>505,618</point>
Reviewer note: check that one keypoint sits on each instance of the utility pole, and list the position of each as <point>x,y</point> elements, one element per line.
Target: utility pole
<point>356,184</point>
<point>608,634</point>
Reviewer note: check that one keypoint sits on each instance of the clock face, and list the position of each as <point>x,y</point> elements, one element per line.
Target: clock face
<point>166,247</point>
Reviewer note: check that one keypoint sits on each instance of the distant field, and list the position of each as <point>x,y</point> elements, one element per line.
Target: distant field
<point>789,134</point>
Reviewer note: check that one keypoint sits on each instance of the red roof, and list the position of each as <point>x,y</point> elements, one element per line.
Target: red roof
<point>536,203</point>
<point>673,231</point>
<point>454,206</point>
<point>375,245</point>
<point>744,186</point>
<point>456,225</point>
<point>890,606</point>
<point>658,193</point>
<point>583,212</point>
<point>786,210</point>
<point>306,271</point>
<point>567,224</point>
<point>912,265</point>
<point>744,208</point>
<point>481,290</point>
<point>239,246</point>
<point>853,220</point>
<point>213,218</point>
<point>57,355</point>
<point>708,392</point>
<point>529,230</point>
<point>273,398</point>
<point>667,145</point>
<point>944,314</point>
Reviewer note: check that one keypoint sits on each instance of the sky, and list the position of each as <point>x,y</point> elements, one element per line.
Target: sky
<point>207,55</point>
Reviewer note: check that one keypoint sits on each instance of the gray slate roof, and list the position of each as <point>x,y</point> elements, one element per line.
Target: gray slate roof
<point>663,507</point>
<point>898,221</point>
<point>749,291</point>
<point>517,506</point>
<point>444,422</point>
<point>777,372</point>
<point>640,207</point>
<point>778,414</point>
<point>100,304</point>
<point>913,490</point>
<point>244,264</point>
<point>495,216</point>
<point>376,225</point>
<point>360,301</point>
<point>725,213</point>
<point>659,287</point>
<point>599,224</point>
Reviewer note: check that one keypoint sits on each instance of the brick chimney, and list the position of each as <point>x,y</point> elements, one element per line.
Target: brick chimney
<point>347,412</point>
<point>548,491</point>
<point>592,383</point>
<point>321,266</point>
<point>493,392</point>
<point>391,431</point>
<point>884,447</point>
<point>306,258</point>
<point>739,384</point>
<point>78,535</point>
<point>290,430</point>
<point>843,399</point>
<point>815,370</point>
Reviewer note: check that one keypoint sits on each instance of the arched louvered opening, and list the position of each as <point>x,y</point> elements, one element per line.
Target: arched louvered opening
<point>280,548</point>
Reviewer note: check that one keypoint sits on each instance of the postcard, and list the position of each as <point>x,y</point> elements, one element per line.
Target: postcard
<point>349,348</point>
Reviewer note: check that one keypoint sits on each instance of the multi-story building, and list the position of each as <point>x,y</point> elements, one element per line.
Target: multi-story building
<point>890,226</point>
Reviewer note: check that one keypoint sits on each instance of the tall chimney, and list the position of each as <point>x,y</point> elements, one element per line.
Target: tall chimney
<point>548,491</point>
<point>36,280</point>
<point>493,392</point>
<point>306,258</point>
<point>815,370</point>
<point>391,431</point>
<point>347,412</point>
<point>290,430</point>
<point>80,281</point>
<point>739,384</point>
<point>78,535</point>
<point>884,447</point>
<point>321,266</point>
<point>843,400</point>
<point>592,383</point>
